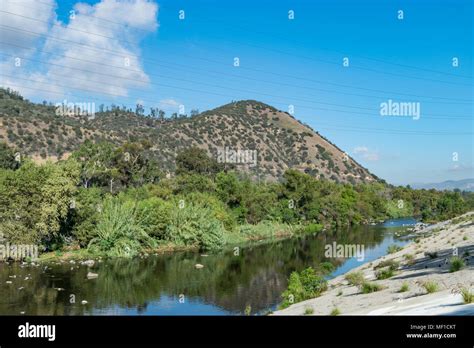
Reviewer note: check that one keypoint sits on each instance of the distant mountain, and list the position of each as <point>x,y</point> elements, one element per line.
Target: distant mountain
<point>463,185</point>
<point>276,138</point>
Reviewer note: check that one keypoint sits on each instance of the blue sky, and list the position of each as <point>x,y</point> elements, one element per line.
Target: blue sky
<point>299,62</point>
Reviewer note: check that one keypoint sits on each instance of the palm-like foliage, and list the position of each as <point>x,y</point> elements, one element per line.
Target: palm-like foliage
<point>121,230</point>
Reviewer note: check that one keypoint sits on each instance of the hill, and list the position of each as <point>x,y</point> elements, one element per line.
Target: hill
<point>256,137</point>
<point>463,185</point>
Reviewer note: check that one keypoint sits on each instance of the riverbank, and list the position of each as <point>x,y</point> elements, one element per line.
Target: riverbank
<point>423,280</point>
<point>263,233</point>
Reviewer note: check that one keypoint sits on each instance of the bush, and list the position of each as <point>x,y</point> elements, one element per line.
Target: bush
<point>384,273</point>
<point>391,264</point>
<point>120,231</point>
<point>312,228</point>
<point>355,278</point>
<point>194,225</point>
<point>335,312</point>
<point>368,287</point>
<point>85,214</point>
<point>156,215</point>
<point>455,264</point>
<point>393,248</point>
<point>265,229</point>
<point>404,287</point>
<point>467,295</point>
<point>430,286</point>
<point>302,286</point>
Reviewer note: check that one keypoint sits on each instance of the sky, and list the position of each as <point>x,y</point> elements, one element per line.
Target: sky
<point>340,66</point>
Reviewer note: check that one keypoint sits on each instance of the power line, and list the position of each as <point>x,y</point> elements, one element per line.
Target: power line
<point>245,68</point>
<point>273,35</point>
<point>237,76</point>
<point>248,44</point>
<point>194,90</point>
<point>231,25</point>
<point>392,131</point>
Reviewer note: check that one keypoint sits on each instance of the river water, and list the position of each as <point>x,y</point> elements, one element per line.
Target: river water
<point>170,284</point>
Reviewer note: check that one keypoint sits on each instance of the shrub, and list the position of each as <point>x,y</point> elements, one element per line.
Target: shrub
<point>156,214</point>
<point>312,228</point>
<point>384,273</point>
<point>393,248</point>
<point>404,287</point>
<point>120,231</point>
<point>308,311</point>
<point>391,264</point>
<point>368,287</point>
<point>302,286</point>
<point>467,295</point>
<point>455,264</point>
<point>355,278</point>
<point>430,286</point>
<point>85,214</point>
<point>335,311</point>
<point>194,225</point>
<point>265,229</point>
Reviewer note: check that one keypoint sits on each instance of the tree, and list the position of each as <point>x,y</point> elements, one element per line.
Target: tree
<point>95,161</point>
<point>8,158</point>
<point>195,160</point>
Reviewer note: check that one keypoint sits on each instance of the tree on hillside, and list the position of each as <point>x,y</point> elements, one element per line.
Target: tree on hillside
<point>8,158</point>
<point>195,160</point>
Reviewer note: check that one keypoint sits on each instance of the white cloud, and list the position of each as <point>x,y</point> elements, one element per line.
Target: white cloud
<point>17,29</point>
<point>90,65</point>
<point>366,153</point>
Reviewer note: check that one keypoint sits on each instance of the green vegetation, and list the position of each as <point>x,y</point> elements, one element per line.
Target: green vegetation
<point>384,273</point>
<point>430,286</point>
<point>308,311</point>
<point>455,264</point>
<point>393,248</point>
<point>335,311</point>
<point>117,201</point>
<point>368,287</point>
<point>303,285</point>
<point>355,278</point>
<point>467,295</point>
<point>404,288</point>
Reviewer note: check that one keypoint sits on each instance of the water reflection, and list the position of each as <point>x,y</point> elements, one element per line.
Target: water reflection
<point>226,285</point>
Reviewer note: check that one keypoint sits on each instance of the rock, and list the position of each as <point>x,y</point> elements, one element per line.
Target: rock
<point>204,255</point>
<point>91,275</point>
<point>198,266</point>
<point>84,302</point>
<point>89,263</point>
<point>59,289</point>
<point>21,288</point>
<point>8,282</point>
<point>72,262</point>
<point>22,312</point>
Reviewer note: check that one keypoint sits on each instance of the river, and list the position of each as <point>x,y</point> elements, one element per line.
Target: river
<point>254,277</point>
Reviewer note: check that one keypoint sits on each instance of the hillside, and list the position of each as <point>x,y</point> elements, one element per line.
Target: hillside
<point>280,141</point>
